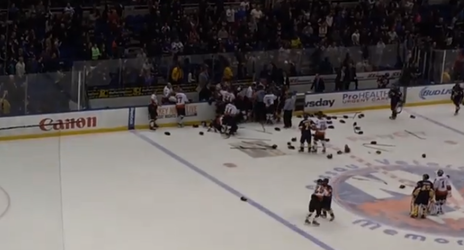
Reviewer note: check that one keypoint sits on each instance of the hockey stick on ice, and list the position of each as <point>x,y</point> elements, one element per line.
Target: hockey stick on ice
<point>379,147</point>
<point>253,139</point>
<point>243,147</point>
<point>264,129</point>
<point>415,135</point>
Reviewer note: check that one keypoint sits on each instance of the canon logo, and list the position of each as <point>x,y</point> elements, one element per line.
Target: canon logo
<point>49,124</point>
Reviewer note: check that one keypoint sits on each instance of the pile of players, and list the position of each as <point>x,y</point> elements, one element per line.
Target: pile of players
<point>430,198</point>
<point>235,104</point>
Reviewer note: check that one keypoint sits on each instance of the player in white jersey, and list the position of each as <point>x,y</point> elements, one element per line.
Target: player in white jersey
<point>269,101</point>
<point>167,91</point>
<point>320,126</point>
<point>442,186</point>
<point>227,96</point>
<point>153,111</point>
<point>229,119</point>
<point>182,100</point>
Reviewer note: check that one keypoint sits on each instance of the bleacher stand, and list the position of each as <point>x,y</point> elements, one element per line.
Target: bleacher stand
<point>55,55</point>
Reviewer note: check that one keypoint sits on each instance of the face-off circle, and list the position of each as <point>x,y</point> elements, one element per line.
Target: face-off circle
<point>5,202</point>
<point>374,194</point>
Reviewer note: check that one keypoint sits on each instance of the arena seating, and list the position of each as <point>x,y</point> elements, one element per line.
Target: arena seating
<point>51,54</point>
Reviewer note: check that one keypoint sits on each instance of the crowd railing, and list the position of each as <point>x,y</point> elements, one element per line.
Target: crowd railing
<point>248,65</point>
<point>40,94</point>
<point>446,66</point>
<point>68,91</point>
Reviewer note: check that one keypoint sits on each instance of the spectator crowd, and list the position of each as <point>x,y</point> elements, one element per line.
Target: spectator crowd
<point>134,43</point>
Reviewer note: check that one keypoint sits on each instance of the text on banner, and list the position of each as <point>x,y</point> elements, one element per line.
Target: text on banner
<point>432,92</point>
<point>49,124</point>
<point>365,96</point>
<point>170,111</point>
<point>321,102</point>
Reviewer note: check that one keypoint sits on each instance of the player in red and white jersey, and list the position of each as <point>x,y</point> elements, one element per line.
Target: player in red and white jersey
<point>442,186</point>
<point>182,100</point>
<point>320,126</point>
<point>227,96</point>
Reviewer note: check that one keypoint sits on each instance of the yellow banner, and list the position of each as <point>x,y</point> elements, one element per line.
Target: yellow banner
<point>132,92</point>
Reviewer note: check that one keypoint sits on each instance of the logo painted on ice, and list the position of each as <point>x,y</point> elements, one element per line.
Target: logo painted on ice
<point>426,92</point>
<point>320,103</point>
<point>373,194</point>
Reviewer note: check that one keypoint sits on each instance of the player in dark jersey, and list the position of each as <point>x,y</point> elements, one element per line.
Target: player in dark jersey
<point>305,137</point>
<point>457,95</point>
<point>395,96</point>
<point>422,197</point>
<point>327,200</point>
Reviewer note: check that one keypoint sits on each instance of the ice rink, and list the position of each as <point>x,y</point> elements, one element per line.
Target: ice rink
<point>145,190</point>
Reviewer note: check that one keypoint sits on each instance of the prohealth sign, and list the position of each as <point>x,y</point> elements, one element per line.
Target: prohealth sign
<point>375,98</point>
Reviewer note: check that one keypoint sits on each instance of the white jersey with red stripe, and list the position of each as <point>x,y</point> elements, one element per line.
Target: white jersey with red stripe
<point>181,99</point>
<point>227,96</point>
<point>442,184</point>
<point>321,125</point>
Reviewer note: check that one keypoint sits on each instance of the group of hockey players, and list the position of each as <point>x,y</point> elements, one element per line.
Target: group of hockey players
<point>320,204</point>
<point>235,104</point>
<point>177,97</point>
<point>430,198</point>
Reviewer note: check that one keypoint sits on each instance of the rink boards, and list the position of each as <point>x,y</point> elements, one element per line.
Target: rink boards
<point>109,120</point>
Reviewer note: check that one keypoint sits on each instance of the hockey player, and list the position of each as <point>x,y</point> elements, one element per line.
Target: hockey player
<point>395,100</point>
<point>442,187</point>
<point>457,95</point>
<point>229,119</point>
<point>153,111</point>
<point>422,197</point>
<point>227,96</point>
<point>216,124</point>
<point>269,100</point>
<point>327,200</point>
<point>320,126</point>
<point>182,100</point>
<point>315,204</point>
<point>305,128</point>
